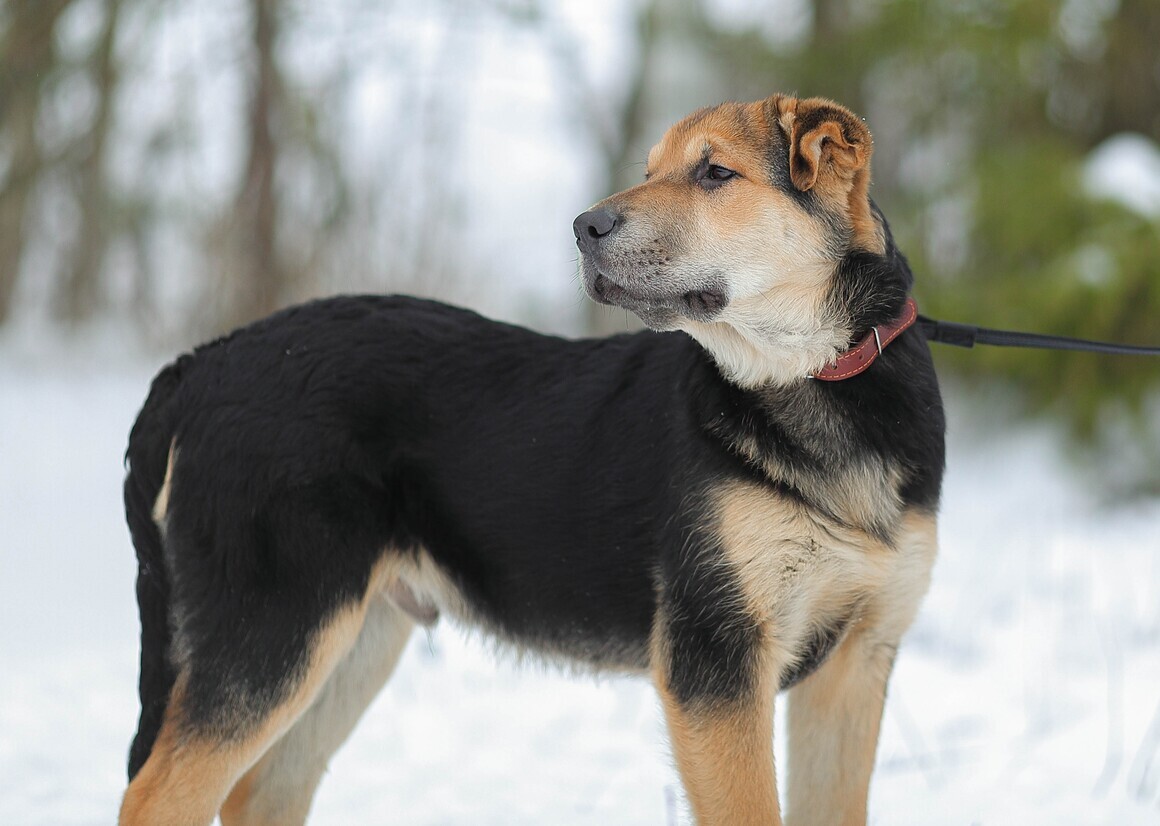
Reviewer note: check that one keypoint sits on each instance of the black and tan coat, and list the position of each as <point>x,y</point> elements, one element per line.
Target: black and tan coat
<point>683,502</point>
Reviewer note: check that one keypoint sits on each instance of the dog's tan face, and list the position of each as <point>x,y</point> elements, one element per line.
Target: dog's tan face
<point>736,233</point>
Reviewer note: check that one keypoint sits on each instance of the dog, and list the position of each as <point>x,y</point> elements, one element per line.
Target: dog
<point>738,501</point>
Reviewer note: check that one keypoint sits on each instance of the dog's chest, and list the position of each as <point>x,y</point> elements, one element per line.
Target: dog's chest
<point>792,562</point>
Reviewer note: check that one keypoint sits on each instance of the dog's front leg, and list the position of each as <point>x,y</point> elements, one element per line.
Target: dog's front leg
<point>832,729</point>
<point>835,713</point>
<point>725,757</point>
<point>718,702</point>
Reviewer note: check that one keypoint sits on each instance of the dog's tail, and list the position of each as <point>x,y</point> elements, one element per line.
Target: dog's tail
<point>146,459</point>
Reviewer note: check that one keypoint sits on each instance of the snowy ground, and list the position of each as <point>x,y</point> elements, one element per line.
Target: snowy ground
<point>1027,693</point>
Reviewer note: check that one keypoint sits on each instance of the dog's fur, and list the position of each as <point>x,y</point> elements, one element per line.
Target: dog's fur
<point>303,491</point>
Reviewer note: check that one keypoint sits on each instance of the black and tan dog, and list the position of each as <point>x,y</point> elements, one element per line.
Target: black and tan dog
<point>712,509</point>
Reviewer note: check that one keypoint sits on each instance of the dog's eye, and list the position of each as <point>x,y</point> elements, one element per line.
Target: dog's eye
<point>715,175</point>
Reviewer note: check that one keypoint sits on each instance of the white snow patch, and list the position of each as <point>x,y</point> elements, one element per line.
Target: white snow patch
<point>1028,691</point>
<point>1126,168</point>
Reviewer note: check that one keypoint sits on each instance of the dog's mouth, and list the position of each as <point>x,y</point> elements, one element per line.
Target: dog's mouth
<point>657,309</point>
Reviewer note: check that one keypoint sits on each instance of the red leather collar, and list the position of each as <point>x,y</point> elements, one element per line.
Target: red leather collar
<point>862,355</point>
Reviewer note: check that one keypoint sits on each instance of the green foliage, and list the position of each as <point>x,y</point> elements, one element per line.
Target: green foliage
<point>1044,256</point>
<point>985,113</point>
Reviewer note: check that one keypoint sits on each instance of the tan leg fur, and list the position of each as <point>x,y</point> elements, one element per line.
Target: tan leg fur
<point>835,713</point>
<point>279,789</point>
<point>725,757</point>
<point>187,777</point>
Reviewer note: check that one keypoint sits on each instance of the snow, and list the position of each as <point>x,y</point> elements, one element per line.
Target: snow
<point>1126,168</point>
<point>1027,692</point>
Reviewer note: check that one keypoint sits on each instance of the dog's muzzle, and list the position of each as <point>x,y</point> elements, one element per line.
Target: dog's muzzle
<point>650,295</point>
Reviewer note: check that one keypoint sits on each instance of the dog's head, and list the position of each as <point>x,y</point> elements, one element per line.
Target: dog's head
<point>739,232</point>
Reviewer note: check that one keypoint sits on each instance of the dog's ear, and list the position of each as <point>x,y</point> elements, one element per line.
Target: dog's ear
<point>829,151</point>
<point>825,140</point>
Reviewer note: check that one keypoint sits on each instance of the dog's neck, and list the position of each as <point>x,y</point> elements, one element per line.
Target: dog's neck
<point>801,438</point>
<point>810,435</point>
<point>865,290</point>
<point>762,356</point>
<point>858,358</point>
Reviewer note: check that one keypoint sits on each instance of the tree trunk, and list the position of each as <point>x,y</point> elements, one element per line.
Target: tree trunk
<point>1132,69</point>
<point>620,163</point>
<point>259,279</point>
<point>79,294</point>
<point>27,57</point>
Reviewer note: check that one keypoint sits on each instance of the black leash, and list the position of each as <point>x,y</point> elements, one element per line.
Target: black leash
<point>967,335</point>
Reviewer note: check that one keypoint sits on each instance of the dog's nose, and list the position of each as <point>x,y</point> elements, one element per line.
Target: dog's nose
<point>593,225</point>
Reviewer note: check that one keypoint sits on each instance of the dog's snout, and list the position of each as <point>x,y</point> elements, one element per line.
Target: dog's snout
<point>594,225</point>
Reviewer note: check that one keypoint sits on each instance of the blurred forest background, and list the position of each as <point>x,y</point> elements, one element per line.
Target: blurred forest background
<point>173,169</point>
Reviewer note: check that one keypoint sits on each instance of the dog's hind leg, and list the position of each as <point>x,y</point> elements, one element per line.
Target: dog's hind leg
<point>197,760</point>
<point>835,713</point>
<point>280,787</point>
